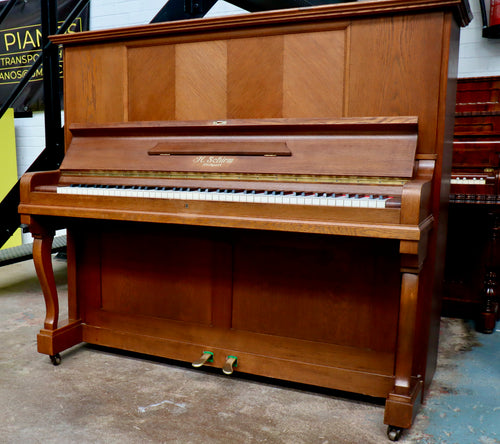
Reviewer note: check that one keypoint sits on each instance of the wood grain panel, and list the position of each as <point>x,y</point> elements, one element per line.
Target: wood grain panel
<point>96,84</point>
<point>151,83</point>
<point>407,73</point>
<point>164,276</point>
<point>314,86</point>
<point>311,288</point>
<point>201,80</point>
<point>255,77</point>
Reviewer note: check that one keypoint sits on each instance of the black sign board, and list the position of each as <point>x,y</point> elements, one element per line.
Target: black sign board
<point>20,46</point>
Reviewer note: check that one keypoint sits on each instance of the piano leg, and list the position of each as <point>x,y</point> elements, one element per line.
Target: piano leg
<point>402,403</point>
<point>42,248</point>
<point>489,303</point>
<point>54,337</point>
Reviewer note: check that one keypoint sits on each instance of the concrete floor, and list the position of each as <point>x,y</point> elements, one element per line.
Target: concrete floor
<point>102,396</point>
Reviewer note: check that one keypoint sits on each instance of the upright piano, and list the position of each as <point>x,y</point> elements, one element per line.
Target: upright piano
<point>259,193</point>
<point>473,257</point>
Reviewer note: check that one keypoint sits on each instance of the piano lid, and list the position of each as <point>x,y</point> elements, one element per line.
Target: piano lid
<point>311,149</point>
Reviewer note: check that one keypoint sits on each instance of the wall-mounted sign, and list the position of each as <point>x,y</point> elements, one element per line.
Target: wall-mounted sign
<point>20,46</point>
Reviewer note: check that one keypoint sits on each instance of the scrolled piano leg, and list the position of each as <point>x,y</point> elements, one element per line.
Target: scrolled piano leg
<point>42,249</point>
<point>52,338</point>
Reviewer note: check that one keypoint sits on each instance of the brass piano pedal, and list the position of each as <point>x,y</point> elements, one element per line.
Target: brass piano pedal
<point>231,363</point>
<point>204,358</point>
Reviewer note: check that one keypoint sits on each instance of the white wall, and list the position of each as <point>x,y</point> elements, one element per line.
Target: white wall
<point>478,56</point>
<point>105,14</point>
<point>30,140</point>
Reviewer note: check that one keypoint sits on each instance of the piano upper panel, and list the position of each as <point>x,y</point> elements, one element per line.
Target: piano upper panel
<point>309,62</point>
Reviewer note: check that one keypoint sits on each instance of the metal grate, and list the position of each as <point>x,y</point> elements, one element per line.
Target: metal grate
<point>25,251</point>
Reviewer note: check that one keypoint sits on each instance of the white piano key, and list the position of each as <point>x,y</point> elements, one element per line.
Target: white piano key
<point>207,195</point>
<point>355,201</point>
<point>279,198</point>
<point>363,202</point>
<point>272,198</point>
<point>340,201</point>
<point>260,198</point>
<point>241,196</point>
<point>323,200</point>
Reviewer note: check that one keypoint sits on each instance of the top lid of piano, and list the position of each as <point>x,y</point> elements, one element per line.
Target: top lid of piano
<point>369,147</point>
<point>460,8</point>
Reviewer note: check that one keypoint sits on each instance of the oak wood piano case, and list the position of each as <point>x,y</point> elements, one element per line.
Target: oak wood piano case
<point>341,297</point>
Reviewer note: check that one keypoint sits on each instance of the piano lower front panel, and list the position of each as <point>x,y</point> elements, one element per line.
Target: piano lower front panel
<point>291,306</point>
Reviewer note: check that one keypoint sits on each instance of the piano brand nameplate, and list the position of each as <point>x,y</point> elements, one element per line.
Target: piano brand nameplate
<point>214,161</point>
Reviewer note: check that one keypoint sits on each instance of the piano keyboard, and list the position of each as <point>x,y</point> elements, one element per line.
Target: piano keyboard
<point>231,195</point>
<point>468,181</point>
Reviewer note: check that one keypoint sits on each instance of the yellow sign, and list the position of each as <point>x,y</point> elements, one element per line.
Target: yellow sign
<point>8,165</point>
<point>20,47</point>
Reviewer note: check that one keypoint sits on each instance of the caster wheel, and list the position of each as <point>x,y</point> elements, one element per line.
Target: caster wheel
<point>55,359</point>
<point>393,433</point>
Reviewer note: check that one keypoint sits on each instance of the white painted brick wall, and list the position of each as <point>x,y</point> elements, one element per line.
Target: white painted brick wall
<point>478,56</point>
<point>30,140</point>
<point>105,14</point>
